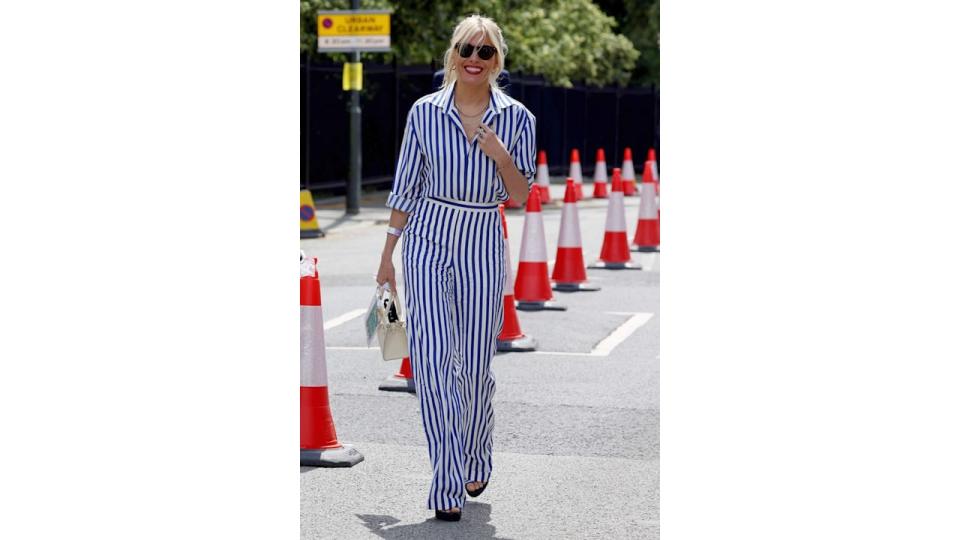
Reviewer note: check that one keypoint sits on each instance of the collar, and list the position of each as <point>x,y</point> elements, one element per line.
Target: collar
<point>498,100</point>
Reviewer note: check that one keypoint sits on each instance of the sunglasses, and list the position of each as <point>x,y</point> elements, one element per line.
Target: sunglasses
<point>485,52</point>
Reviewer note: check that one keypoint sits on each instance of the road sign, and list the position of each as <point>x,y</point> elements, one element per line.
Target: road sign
<point>346,31</point>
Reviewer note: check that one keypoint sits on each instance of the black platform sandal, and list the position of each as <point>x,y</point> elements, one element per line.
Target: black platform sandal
<point>476,493</point>
<point>448,516</point>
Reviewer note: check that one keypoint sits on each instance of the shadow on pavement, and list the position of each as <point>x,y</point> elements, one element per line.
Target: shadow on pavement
<point>475,523</point>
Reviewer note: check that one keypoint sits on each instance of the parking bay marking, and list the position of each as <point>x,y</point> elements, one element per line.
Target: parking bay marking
<point>618,336</point>
<point>348,316</point>
<point>603,348</point>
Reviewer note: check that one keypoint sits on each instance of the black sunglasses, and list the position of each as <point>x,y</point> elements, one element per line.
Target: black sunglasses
<point>485,52</point>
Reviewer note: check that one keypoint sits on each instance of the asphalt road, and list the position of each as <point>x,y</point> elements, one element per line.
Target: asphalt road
<point>576,442</point>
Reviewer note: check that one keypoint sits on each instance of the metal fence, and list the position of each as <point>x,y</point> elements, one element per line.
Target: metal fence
<point>586,118</point>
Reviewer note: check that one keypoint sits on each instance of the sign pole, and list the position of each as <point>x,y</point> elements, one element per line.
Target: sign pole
<point>353,32</point>
<point>353,185</point>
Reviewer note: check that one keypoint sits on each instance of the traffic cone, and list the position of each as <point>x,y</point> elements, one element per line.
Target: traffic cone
<point>647,236</point>
<point>615,253</point>
<point>569,272</point>
<point>309,228</point>
<point>532,288</point>
<point>511,338</point>
<point>543,177</point>
<point>401,381</point>
<point>576,173</point>
<point>599,176</point>
<point>652,159</point>
<point>318,438</point>
<point>629,176</point>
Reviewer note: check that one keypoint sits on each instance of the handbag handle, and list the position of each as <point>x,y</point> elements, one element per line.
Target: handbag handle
<point>394,299</point>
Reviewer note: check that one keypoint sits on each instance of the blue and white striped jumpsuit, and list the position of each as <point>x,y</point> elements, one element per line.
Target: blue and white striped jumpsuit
<point>453,267</point>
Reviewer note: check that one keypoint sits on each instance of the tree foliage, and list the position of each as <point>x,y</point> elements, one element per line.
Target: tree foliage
<point>562,40</point>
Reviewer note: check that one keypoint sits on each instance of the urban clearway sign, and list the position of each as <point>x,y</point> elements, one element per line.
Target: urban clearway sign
<point>345,31</point>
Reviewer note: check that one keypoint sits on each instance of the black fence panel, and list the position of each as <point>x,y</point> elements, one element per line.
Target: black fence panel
<point>582,117</point>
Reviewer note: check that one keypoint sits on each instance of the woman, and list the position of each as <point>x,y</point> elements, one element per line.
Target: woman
<point>466,148</point>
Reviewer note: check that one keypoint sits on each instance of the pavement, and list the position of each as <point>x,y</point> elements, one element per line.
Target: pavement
<point>576,441</point>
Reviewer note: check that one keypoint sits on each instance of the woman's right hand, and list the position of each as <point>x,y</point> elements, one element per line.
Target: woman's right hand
<point>386,273</point>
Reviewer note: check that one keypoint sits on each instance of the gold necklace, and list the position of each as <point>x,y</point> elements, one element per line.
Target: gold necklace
<point>465,115</point>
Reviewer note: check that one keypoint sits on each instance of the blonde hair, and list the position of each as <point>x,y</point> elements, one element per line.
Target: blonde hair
<point>465,30</point>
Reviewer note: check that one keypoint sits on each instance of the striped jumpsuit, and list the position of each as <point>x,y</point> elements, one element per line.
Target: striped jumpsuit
<point>453,267</point>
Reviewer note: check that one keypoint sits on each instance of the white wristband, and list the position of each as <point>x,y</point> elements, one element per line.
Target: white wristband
<point>394,231</point>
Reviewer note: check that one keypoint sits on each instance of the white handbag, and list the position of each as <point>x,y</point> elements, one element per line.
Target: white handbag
<point>391,335</point>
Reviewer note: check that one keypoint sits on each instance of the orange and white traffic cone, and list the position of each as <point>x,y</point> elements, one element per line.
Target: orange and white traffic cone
<point>576,173</point>
<point>647,236</point>
<point>615,253</point>
<point>532,287</point>
<point>600,176</point>
<point>402,380</point>
<point>629,176</point>
<point>569,272</point>
<point>319,446</point>
<point>543,177</point>
<point>511,338</point>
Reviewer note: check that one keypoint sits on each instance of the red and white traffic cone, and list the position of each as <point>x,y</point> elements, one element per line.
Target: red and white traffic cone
<point>576,173</point>
<point>652,159</point>
<point>532,288</point>
<point>543,177</point>
<point>569,272</point>
<point>615,253</point>
<point>647,236</point>
<point>629,176</point>
<point>600,176</point>
<point>319,446</point>
<point>511,338</point>
<point>402,380</point>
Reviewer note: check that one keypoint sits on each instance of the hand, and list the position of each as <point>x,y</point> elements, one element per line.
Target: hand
<point>386,274</point>
<point>491,145</point>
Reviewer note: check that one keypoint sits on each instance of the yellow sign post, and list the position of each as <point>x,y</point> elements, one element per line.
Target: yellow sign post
<point>353,31</point>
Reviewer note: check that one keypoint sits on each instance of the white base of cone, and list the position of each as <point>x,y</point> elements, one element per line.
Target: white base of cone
<point>574,287</point>
<point>615,266</point>
<point>398,384</point>
<point>540,306</point>
<point>345,456</point>
<point>521,344</point>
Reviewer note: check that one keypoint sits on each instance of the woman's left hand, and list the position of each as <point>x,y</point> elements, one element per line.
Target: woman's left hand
<point>491,145</point>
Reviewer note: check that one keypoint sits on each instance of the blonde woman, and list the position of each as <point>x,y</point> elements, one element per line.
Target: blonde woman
<point>466,149</point>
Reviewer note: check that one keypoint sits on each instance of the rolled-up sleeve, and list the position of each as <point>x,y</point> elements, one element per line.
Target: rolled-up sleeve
<point>408,180</point>
<point>525,151</point>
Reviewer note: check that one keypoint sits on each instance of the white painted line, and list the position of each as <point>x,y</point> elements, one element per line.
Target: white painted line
<point>562,353</point>
<point>605,347</point>
<point>348,316</point>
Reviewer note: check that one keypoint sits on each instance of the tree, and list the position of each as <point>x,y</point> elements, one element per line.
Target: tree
<point>562,40</point>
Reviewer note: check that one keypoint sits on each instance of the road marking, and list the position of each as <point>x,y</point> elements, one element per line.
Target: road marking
<point>618,336</point>
<point>348,316</point>
<point>604,348</point>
